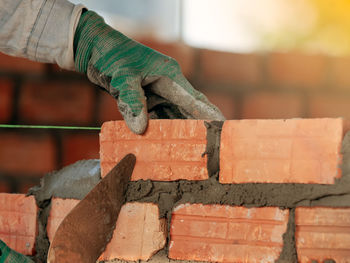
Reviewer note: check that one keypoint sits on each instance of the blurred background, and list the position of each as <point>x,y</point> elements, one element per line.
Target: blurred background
<point>252,58</point>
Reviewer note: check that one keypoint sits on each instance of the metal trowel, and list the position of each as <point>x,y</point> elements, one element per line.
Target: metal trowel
<point>85,232</point>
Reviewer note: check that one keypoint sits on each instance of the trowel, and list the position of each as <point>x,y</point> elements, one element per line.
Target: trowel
<point>85,232</point>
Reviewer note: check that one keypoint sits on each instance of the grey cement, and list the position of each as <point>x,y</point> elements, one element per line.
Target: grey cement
<point>170,194</point>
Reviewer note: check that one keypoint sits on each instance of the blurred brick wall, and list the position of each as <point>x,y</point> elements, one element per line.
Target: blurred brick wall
<point>243,86</point>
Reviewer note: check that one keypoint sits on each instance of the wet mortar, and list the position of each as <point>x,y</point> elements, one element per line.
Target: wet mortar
<point>170,194</point>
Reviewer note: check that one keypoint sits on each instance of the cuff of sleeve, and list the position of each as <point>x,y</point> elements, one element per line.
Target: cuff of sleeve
<point>52,36</point>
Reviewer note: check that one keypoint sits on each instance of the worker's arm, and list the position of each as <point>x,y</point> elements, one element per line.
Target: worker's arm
<point>45,30</point>
<point>41,30</point>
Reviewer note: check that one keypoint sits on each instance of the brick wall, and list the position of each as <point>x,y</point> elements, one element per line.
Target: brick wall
<point>244,86</point>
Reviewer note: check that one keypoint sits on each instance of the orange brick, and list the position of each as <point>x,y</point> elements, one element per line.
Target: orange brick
<point>218,233</point>
<point>59,209</point>
<point>297,70</point>
<point>27,154</point>
<point>281,151</point>
<point>322,233</point>
<point>169,149</point>
<point>329,105</point>
<point>340,77</point>
<point>18,222</point>
<point>271,105</point>
<point>230,68</point>
<point>138,235</point>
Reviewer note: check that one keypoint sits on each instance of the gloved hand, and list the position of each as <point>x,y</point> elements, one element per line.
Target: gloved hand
<point>128,69</point>
<point>7,255</point>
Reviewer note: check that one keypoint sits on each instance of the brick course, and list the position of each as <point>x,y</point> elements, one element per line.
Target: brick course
<point>6,100</point>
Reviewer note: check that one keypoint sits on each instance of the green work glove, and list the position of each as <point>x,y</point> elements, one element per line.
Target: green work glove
<point>7,255</point>
<point>130,72</point>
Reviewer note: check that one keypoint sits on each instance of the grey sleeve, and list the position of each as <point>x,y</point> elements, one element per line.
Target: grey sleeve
<point>40,30</point>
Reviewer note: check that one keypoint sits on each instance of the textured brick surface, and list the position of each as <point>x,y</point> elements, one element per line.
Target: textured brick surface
<point>296,70</point>
<point>271,105</point>
<point>6,96</point>
<point>56,102</point>
<point>26,154</point>
<point>323,233</point>
<point>59,209</point>
<point>18,222</point>
<point>139,233</point>
<point>281,151</point>
<point>80,147</point>
<point>224,67</point>
<point>168,150</point>
<point>227,234</point>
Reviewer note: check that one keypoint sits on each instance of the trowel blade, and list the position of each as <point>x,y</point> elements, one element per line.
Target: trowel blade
<point>85,232</point>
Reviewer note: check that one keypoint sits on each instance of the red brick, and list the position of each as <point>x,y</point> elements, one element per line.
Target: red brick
<point>26,154</point>
<point>329,105</point>
<point>108,108</point>
<point>80,147</point>
<point>24,187</point>
<point>218,233</point>
<point>138,235</point>
<point>21,65</point>
<point>183,54</point>
<point>224,102</point>
<point>281,151</point>
<point>59,209</point>
<point>340,77</point>
<point>296,70</point>
<point>6,100</point>
<point>169,150</point>
<point>271,105</point>
<point>224,67</point>
<point>5,187</point>
<point>18,222</point>
<point>56,102</point>
<point>322,233</point>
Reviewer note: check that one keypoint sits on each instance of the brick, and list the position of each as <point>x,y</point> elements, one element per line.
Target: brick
<point>219,233</point>
<point>108,108</point>
<point>340,77</point>
<point>183,54</point>
<point>6,100</point>
<point>80,146</point>
<point>296,70</point>
<point>56,102</point>
<point>230,68</point>
<point>18,222</point>
<point>281,151</point>
<point>169,150</point>
<point>20,65</point>
<point>5,186</point>
<point>27,154</point>
<point>271,105</point>
<point>226,103</point>
<point>322,233</point>
<point>329,105</point>
<point>23,187</point>
<point>59,209</point>
<point>138,235</point>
